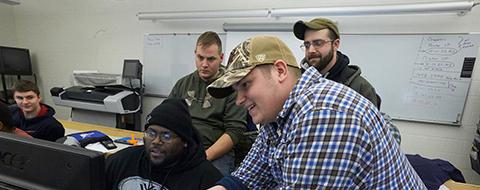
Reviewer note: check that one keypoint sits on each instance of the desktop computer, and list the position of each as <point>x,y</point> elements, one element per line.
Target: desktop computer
<point>27,163</point>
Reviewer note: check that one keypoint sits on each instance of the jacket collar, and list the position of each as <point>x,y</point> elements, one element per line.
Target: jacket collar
<point>340,65</point>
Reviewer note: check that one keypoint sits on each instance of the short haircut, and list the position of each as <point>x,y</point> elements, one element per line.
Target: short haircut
<point>296,71</point>
<point>25,86</point>
<point>331,33</point>
<point>265,69</point>
<point>209,38</point>
<point>6,118</point>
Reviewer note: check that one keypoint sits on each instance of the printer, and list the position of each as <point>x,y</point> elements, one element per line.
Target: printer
<point>103,98</point>
<point>98,98</point>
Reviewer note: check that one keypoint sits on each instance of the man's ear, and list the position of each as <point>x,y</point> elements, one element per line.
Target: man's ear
<point>336,43</point>
<point>280,68</point>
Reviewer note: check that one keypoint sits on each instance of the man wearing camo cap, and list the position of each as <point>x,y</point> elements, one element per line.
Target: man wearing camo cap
<point>317,134</point>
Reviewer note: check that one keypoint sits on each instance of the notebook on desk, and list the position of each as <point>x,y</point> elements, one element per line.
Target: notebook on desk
<point>125,140</point>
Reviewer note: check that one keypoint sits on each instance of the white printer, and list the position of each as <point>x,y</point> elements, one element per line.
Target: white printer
<point>102,100</point>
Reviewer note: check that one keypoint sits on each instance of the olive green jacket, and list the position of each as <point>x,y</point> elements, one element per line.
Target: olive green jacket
<point>211,116</point>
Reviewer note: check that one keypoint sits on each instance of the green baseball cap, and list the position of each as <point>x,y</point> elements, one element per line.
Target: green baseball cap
<point>258,50</point>
<point>300,27</point>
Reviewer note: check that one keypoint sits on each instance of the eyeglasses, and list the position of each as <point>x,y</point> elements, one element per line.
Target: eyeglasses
<point>316,44</point>
<point>165,136</point>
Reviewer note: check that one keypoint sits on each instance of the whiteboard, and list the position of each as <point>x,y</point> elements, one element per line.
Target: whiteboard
<point>419,77</point>
<point>167,58</point>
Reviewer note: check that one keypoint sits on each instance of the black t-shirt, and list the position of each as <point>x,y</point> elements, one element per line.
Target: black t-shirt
<point>130,169</point>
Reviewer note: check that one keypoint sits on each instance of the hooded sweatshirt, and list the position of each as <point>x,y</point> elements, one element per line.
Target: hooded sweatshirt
<point>130,168</point>
<point>44,126</point>
<point>349,75</point>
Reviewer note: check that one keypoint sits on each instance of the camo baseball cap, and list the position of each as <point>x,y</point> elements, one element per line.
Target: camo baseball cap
<point>258,50</point>
<point>300,27</point>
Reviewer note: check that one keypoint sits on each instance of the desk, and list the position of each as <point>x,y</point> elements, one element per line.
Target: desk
<point>452,185</point>
<point>114,133</point>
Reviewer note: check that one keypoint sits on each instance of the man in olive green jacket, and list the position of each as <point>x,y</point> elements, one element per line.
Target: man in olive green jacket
<point>220,122</point>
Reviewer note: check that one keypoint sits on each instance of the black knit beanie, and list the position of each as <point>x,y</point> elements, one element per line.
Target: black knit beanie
<point>174,115</point>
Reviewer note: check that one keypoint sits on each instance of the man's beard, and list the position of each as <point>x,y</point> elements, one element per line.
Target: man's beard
<point>323,60</point>
<point>168,161</point>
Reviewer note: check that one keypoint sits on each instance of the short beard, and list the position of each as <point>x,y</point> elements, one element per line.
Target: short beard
<point>323,62</point>
<point>168,161</point>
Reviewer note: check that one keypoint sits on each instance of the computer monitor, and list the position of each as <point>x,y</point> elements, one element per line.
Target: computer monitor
<point>15,61</point>
<point>132,68</point>
<point>27,163</point>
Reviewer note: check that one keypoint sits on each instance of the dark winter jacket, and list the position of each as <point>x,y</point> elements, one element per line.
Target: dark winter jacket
<point>130,168</point>
<point>349,75</point>
<point>44,127</point>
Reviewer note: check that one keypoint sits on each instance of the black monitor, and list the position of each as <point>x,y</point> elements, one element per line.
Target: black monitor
<point>27,163</point>
<point>15,61</point>
<point>132,68</point>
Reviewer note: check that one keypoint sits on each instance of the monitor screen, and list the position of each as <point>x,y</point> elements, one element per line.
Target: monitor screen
<point>15,61</point>
<point>27,163</point>
<point>132,68</point>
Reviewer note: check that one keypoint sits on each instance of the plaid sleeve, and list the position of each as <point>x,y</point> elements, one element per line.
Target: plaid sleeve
<point>254,172</point>
<point>390,165</point>
<point>392,128</point>
<point>324,150</point>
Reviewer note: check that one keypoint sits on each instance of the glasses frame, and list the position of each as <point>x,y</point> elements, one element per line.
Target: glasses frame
<point>161,135</point>
<point>317,44</point>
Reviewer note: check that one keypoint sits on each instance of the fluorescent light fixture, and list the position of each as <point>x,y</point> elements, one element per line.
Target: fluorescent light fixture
<point>203,14</point>
<point>258,26</point>
<point>10,2</point>
<point>458,6</point>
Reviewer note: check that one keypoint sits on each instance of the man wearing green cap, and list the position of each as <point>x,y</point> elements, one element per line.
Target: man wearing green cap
<point>321,42</point>
<point>317,134</point>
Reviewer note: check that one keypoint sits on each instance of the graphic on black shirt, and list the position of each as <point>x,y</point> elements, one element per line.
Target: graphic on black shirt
<point>137,182</point>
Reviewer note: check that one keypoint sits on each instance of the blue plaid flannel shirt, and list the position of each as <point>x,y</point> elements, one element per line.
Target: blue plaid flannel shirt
<point>326,137</point>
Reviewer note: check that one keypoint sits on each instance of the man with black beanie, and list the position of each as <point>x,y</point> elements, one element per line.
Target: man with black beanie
<point>172,157</point>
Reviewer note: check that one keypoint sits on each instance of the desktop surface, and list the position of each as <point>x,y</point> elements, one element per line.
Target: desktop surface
<point>112,132</point>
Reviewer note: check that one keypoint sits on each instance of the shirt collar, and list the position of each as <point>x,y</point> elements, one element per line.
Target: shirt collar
<point>308,78</point>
